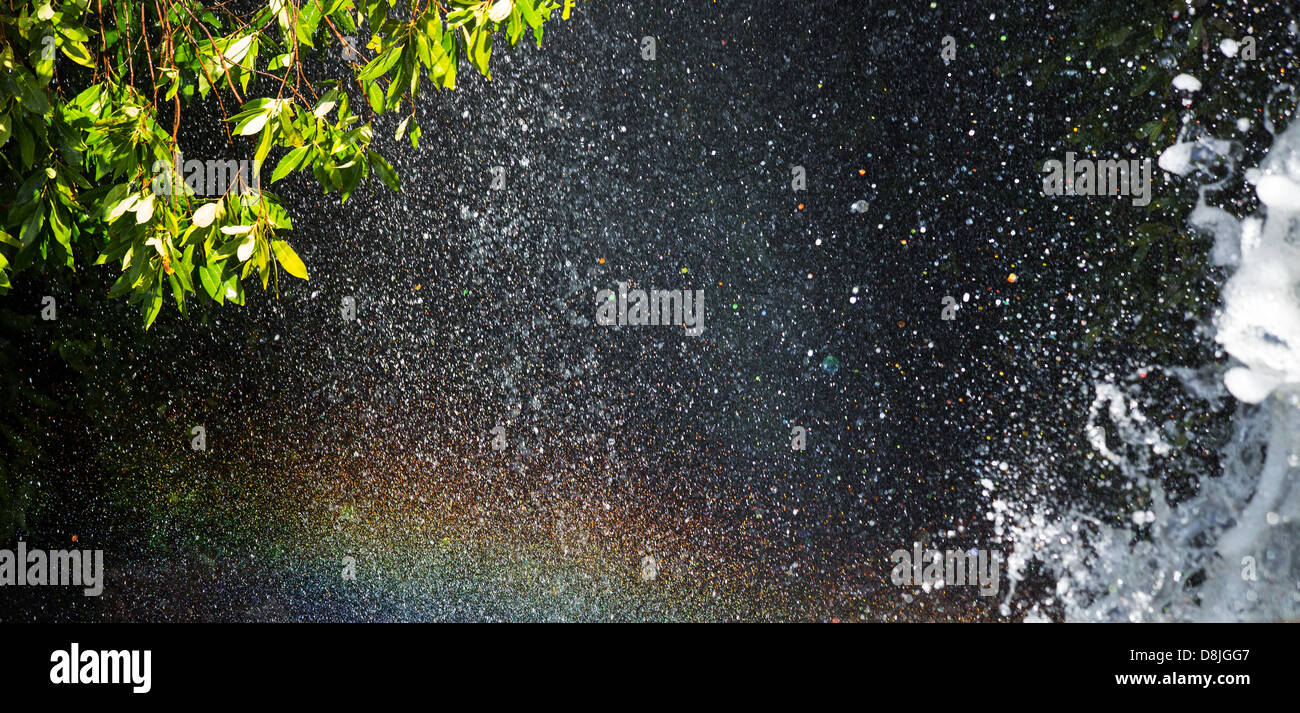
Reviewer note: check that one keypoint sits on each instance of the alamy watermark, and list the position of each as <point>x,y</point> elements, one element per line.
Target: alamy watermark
<point>1104,177</point>
<point>74,666</point>
<point>211,177</point>
<point>31,568</point>
<point>347,49</point>
<point>653,307</point>
<point>931,568</point>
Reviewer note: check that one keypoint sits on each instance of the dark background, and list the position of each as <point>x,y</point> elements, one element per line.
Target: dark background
<point>475,308</point>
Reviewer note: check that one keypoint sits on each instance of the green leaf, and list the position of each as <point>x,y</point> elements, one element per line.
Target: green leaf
<point>143,210</point>
<point>74,32</point>
<point>34,96</point>
<point>1140,256</point>
<point>375,96</point>
<point>123,204</point>
<point>59,226</point>
<point>26,148</point>
<point>78,53</point>
<point>529,13</point>
<point>210,276</point>
<point>326,104</point>
<point>178,292</point>
<point>385,170</point>
<point>515,29</point>
<point>288,259</point>
<point>1147,80</point>
<point>182,265</point>
<point>1115,38</point>
<point>481,51</point>
<point>237,49</point>
<point>252,124</point>
<point>291,162</point>
<point>32,227</point>
<point>381,64</point>
<point>279,61</point>
<point>233,290</point>
<point>151,305</point>
<point>263,147</point>
<point>1149,129</point>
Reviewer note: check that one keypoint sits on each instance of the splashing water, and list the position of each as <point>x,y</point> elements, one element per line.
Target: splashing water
<point>1228,552</point>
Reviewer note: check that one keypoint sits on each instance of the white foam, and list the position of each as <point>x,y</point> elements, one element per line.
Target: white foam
<point>1249,386</point>
<point>1224,227</point>
<point>1279,192</point>
<point>1177,159</point>
<point>1231,549</point>
<point>1187,83</point>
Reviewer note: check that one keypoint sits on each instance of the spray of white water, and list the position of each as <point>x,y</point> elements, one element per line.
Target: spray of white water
<point>1231,551</point>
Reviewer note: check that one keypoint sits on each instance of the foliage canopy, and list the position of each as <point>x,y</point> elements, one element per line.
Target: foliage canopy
<point>91,104</point>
